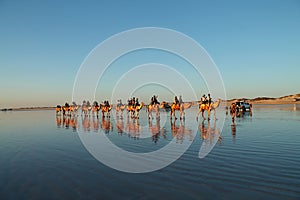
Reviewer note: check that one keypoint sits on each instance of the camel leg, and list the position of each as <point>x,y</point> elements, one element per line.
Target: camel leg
<point>208,114</point>
<point>215,114</point>
<point>149,114</point>
<point>198,114</point>
<point>203,115</point>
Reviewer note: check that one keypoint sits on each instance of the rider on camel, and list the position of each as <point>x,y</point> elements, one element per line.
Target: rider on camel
<point>137,102</point>
<point>203,99</point>
<point>106,103</point>
<point>176,101</point>
<point>209,99</point>
<point>154,100</point>
<point>180,100</point>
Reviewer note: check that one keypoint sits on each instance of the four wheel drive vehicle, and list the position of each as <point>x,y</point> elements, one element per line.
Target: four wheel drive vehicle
<point>243,106</point>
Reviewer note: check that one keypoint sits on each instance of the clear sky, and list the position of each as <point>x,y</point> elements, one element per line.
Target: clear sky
<point>255,44</point>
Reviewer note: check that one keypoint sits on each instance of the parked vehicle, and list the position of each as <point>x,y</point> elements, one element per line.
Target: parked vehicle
<point>243,106</point>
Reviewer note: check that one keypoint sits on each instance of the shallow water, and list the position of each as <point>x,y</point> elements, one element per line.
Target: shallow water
<point>42,157</point>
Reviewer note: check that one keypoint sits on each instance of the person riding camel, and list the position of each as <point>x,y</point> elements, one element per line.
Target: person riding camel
<point>106,103</point>
<point>133,102</point>
<point>209,101</point>
<point>180,100</point>
<point>119,102</point>
<point>233,111</point>
<point>203,99</point>
<point>95,104</point>
<point>88,103</point>
<point>176,101</point>
<point>155,100</point>
<point>137,102</point>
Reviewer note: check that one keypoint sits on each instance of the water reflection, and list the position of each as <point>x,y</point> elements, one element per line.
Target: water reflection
<point>233,132</point>
<point>210,134</point>
<point>180,132</point>
<point>156,131</point>
<point>66,122</point>
<point>106,125</point>
<point>133,128</point>
<point>130,127</point>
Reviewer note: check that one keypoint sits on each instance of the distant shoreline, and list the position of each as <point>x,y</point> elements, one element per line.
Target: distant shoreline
<point>27,108</point>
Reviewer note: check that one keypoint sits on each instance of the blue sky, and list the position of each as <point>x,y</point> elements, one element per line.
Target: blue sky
<point>255,44</point>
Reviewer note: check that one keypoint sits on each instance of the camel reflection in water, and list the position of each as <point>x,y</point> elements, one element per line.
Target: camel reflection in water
<point>233,132</point>
<point>130,127</point>
<point>210,134</point>
<point>120,125</point>
<point>133,128</point>
<point>64,121</point>
<point>106,125</point>
<point>156,131</point>
<point>180,132</point>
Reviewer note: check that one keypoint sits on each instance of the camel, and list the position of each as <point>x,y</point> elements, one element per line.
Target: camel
<point>213,106</point>
<point>58,109</point>
<point>119,109</point>
<point>166,106</point>
<point>106,109</point>
<point>73,108</point>
<point>155,108</point>
<point>134,110</point>
<point>86,108</point>
<point>181,107</point>
<point>66,109</point>
<point>95,108</point>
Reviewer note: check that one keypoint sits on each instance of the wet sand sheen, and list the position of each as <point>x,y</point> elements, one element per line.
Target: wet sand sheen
<point>259,161</point>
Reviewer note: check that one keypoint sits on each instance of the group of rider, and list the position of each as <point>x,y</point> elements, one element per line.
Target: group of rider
<point>153,100</point>
<point>177,101</point>
<point>133,102</point>
<point>206,99</point>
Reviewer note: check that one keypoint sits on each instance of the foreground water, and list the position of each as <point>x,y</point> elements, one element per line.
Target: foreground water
<point>42,157</point>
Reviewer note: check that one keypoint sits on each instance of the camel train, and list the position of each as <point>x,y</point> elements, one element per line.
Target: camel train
<point>133,107</point>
